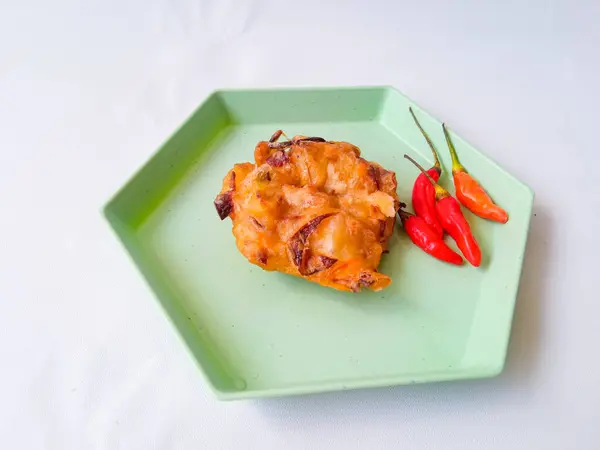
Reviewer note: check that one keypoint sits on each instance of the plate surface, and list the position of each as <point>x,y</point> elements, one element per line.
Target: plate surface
<point>258,334</point>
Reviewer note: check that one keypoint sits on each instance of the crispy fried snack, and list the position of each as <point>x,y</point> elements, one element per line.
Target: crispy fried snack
<point>312,208</point>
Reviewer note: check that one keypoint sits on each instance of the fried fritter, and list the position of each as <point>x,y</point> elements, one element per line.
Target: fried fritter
<point>314,209</point>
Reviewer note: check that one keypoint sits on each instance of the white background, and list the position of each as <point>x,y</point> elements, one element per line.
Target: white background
<point>89,89</point>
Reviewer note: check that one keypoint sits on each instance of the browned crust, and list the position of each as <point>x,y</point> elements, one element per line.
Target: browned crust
<point>224,204</point>
<point>297,244</point>
<point>278,159</point>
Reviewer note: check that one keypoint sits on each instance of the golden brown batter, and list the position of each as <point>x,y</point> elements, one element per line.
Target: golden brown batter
<point>312,208</point>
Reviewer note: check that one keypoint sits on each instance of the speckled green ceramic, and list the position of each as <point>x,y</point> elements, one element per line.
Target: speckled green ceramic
<point>259,334</point>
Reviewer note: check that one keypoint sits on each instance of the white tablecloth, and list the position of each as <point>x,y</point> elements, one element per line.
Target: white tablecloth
<point>88,90</point>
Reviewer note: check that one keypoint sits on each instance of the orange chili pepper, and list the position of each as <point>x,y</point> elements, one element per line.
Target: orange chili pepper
<point>470,193</point>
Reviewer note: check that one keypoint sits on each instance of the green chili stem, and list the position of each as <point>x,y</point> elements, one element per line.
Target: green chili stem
<point>426,136</point>
<point>456,165</point>
<point>440,192</point>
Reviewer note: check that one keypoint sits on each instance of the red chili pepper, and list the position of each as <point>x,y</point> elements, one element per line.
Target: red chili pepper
<point>423,194</point>
<point>453,220</point>
<point>426,239</point>
<point>469,192</point>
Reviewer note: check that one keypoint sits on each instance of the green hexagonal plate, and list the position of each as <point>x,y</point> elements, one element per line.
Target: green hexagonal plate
<point>258,334</point>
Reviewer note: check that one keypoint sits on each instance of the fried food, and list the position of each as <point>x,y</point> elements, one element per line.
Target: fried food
<point>314,209</point>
